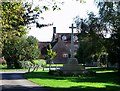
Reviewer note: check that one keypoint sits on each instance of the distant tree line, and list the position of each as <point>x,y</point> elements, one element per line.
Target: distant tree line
<point>93,41</point>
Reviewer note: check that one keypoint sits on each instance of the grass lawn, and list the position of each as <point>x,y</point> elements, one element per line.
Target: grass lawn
<point>4,68</point>
<point>54,65</point>
<point>12,70</point>
<point>103,80</point>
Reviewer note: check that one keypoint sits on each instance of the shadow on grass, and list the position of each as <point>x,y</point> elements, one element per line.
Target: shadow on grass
<point>42,75</point>
<point>102,69</point>
<point>12,76</point>
<point>110,77</point>
<point>76,88</point>
<point>79,88</point>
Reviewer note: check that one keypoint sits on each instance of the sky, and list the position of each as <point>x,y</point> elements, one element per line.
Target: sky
<point>62,19</point>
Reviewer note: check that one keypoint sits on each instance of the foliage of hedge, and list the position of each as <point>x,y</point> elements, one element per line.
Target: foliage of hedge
<point>33,65</point>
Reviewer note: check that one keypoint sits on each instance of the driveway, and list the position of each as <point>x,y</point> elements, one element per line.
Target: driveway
<point>14,81</point>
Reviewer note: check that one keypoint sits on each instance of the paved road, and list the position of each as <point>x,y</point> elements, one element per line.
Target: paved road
<point>14,81</point>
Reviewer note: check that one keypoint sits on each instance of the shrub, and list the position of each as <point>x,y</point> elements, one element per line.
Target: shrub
<point>34,64</point>
<point>40,62</point>
<point>19,49</point>
<point>26,64</point>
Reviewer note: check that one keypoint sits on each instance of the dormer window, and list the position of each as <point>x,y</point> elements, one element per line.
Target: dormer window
<point>65,55</point>
<point>75,38</point>
<point>64,37</point>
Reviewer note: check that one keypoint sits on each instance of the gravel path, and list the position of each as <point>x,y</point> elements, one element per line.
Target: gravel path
<point>14,81</point>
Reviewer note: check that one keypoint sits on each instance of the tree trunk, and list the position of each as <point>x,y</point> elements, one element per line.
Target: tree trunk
<point>17,65</point>
<point>9,64</point>
<point>56,66</point>
<point>118,60</point>
<point>119,67</point>
<point>43,68</point>
<point>49,66</point>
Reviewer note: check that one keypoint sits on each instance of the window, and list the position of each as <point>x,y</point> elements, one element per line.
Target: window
<point>65,55</point>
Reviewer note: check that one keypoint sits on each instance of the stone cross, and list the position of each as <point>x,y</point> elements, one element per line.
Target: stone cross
<point>72,41</point>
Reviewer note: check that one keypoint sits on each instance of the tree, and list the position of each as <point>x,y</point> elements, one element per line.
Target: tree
<point>12,20</point>
<point>15,18</point>
<point>21,49</point>
<point>13,26</point>
<point>16,15</point>
<point>0,44</point>
<point>91,39</point>
<point>50,55</point>
<point>110,16</point>
<point>33,51</point>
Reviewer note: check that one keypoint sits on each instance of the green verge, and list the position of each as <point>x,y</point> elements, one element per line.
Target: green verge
<point>54,65</point>
<point>3,68</point>
<point>104,80</point>
<point>12,70</point>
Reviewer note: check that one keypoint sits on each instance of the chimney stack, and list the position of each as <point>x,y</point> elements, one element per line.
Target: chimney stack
<point>54,30</point>
<point>54,34</point>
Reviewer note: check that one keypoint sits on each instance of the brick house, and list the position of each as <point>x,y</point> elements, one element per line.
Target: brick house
<point>61,43</point>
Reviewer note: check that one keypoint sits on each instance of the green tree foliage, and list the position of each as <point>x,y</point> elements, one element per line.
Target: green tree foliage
<point>12,20</point>
<point>108,21</point>
<point>91,39</point>
<point>21,49</point>
<point>50,54</point>
<point>33,50</point>
<point>110,15</point>
<point>0,44</point>
<point>15,19</point>
<point>15,16</point>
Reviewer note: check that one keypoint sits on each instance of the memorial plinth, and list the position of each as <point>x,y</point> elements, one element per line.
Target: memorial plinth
<point>72,67</point>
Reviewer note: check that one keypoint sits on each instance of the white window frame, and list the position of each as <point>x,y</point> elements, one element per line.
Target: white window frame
<point>65,55</point>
